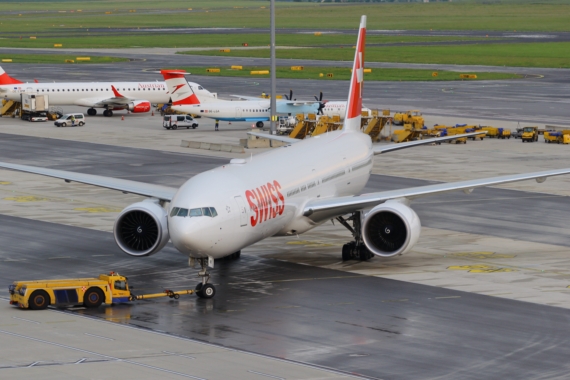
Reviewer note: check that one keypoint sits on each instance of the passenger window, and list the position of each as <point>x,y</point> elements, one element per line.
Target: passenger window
<point>213,211</point>
<point>206,211</point>
<point>120,285</point>
<point>183,212</point>
<point>195,212</point>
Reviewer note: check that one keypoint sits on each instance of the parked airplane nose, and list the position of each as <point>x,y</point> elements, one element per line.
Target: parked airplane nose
<point>187,234</point>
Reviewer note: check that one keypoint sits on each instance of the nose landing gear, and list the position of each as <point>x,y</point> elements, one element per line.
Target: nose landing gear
<point>204,289</point>
<point>355,250</point>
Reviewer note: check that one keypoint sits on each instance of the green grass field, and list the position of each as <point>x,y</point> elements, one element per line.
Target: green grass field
<point>524,15</point>
<point>56,58</point>
<point>555,54</point>
<point>98,40</point>
<point>340,73</point>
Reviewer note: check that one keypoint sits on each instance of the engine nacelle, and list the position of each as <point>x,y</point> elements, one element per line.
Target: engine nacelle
<point>390,229</point>
<point>139,106</point>
<point>142,228</point>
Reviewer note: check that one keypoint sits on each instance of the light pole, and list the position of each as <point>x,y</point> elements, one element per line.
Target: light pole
<point>272,70</point>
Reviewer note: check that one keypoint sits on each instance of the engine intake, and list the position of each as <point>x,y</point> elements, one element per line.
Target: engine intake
<point>142,228</point>
<point>390,229</point>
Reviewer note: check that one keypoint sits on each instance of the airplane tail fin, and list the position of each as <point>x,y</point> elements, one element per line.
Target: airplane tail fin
<point>180,91</point>
<point>7,79</point>
<point>354,105</point>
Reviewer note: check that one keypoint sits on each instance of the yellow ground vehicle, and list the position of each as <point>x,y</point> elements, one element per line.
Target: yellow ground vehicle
<point>90,292</point>
<point>530,134</point>
<point>557,137</point>
<point>413,117</point>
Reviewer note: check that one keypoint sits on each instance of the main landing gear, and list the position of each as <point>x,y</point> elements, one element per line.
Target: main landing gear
<point>91,112</point>
<point>108,113</point>
<point>355,250</point>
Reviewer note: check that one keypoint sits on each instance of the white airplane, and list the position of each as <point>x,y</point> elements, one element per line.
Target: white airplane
<point>186,99</point>
<point>217,213</point>
<point>112,96</point>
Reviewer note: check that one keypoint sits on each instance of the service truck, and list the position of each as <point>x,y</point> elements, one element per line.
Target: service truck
<point>109,288</point>
<point>529,134</point>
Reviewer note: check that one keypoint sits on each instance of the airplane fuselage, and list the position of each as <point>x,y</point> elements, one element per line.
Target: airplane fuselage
<point>254,201</point>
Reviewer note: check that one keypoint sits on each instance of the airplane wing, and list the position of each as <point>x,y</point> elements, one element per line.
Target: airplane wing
<point>126,186</point>
<point>118,99</point>
<point>274,137</point>
<point>288,102</point>
<point>247,97</point>
<point>379,149</point>
<point>320,210</point>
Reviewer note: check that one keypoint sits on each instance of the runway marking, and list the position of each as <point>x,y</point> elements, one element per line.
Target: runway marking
<point>286,307</point>
<point>25,198</point>
<point>94,210</point>
<point>400,300</point>
<point>481,268</point>
<point>442,298</point>
<point>5,183</point>
<point>308,243</point>
<point>496,199</point>
<point>233,311</point>
<point>98,336</point>
<point>266,375</point>
<point>27,320</point>
<point>482,255</point>
<point>101,255</point>
<point>59,257</point>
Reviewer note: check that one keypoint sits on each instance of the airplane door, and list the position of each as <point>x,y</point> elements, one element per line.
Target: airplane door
<point>242,211</point>
<point>238,112</point>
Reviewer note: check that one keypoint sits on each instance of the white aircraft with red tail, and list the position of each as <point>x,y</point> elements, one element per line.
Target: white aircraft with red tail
<point>219,212</point>
<point>135,97</point>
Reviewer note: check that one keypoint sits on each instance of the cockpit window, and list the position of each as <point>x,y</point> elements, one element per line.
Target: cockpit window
<point>195,212</point>
<point>200,88</point>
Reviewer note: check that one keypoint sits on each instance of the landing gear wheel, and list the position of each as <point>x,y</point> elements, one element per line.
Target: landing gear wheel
<point>93,297</point>
<point>39,300</point>
<point>198,287</point>
<point>347,251</point>
<point>259,124</point>
<point>364,253</point>
<point>207,291</point>
<point>91,112</point>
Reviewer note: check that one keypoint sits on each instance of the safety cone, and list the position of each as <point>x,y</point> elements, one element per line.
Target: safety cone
<point>122,117</point>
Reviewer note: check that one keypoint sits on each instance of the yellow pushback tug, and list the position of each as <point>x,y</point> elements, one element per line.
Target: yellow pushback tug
<point>90,292</point>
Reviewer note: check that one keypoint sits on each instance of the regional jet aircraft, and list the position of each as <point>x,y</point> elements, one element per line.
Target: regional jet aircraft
<point>186,99</point>
<point>219,212</point>
<point>111,96</point>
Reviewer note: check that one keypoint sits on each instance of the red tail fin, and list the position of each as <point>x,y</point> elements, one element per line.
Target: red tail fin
<point>7,79</point>
<point>354,106</point>
<point>180,91</point>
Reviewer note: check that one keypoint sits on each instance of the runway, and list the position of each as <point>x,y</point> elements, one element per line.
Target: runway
<point>541,98</point>
<point>375,327</point>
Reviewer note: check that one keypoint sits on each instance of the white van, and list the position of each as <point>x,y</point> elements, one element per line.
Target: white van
<point>66,120</point>
<point>175,121</point>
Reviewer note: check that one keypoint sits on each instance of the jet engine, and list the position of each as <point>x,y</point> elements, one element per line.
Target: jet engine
<point>390,229</point>
<point>139,106</point>
<point>142,228</point>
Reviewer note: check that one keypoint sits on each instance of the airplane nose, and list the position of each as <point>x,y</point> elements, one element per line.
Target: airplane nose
<point>187,234</point>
